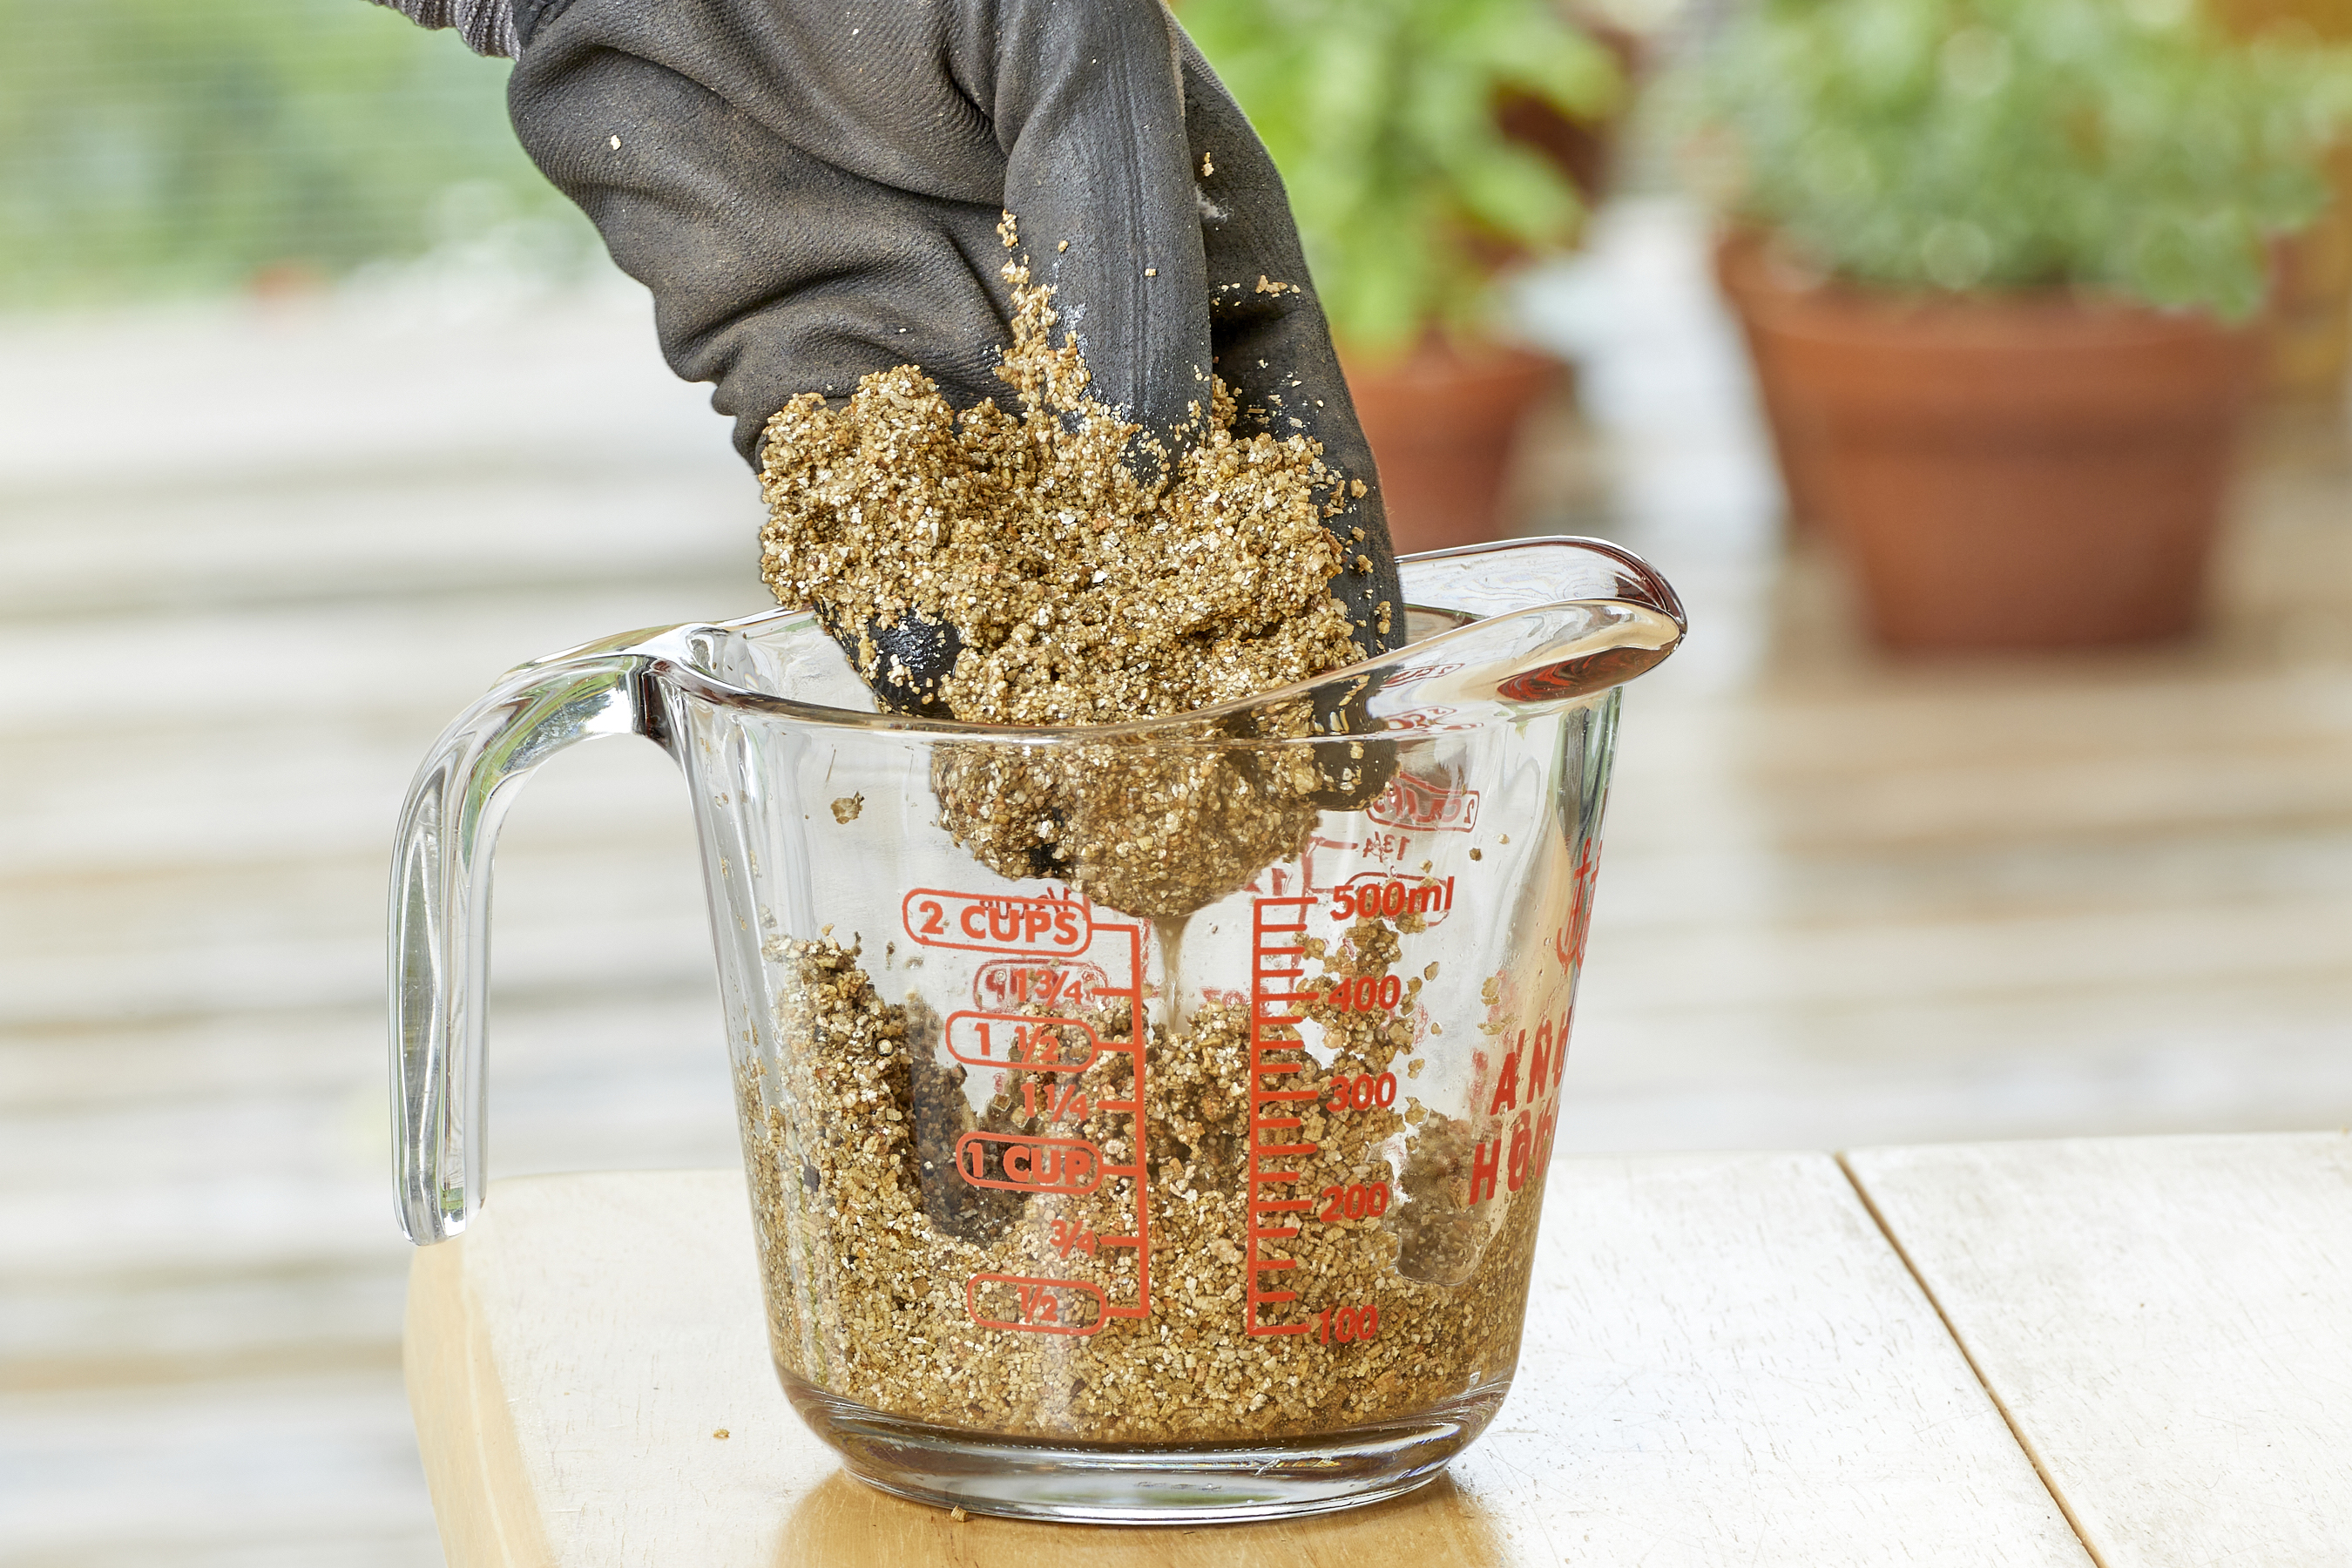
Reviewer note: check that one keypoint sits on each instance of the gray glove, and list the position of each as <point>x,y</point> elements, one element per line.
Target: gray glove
<point>486,26</point>
<point>811,189</point>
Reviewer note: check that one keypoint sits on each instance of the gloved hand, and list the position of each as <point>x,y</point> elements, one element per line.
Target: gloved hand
<point>811,189</point>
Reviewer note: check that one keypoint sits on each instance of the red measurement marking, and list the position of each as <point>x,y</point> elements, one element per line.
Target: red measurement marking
<point>1004,983</point>
<point>1022,1041</point>
<point>1367,1200</point>
<point>1361,1091</point>
<point>1058,1104</point>
<point>1072,1235</point>
<point>1020,1164</point>
<point>1365,994</point>
<point>1568,940</point>
<point>1035,1306</point>
<point>1104,954</point>
<point>1368,894</point>
<point>1277,962</point>
<point>1425,804</point>
<point>997,923</point>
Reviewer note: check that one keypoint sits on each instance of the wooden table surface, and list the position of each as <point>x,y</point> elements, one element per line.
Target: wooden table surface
<point>2166,1322</point>
<point>2127,1352</point>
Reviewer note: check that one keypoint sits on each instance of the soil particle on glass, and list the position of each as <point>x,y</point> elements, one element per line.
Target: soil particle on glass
<point>845,809</point>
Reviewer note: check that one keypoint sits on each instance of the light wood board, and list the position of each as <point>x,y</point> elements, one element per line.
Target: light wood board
<point>2167,1321</point>
<point>1725,1364</point>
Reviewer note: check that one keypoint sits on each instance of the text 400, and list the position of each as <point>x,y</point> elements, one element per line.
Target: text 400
<point>1347,1324</point>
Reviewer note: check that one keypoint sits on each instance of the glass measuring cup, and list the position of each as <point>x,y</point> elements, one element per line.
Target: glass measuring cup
<point>1143,1122</point>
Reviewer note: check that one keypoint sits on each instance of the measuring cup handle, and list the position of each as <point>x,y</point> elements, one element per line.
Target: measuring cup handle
<point>441,906</point>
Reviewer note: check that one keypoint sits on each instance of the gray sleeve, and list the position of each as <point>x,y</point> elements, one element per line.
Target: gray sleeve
<point>486,26</point>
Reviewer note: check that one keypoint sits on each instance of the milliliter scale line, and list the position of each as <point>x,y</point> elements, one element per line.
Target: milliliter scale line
<point>1277,962</point>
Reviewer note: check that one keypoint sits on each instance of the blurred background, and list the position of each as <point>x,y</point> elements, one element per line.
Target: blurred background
<point>1976,371</point>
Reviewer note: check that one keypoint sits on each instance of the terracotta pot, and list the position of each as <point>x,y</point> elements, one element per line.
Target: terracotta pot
<point>2308,332</point>
<point>2018,472</point>
<point>1443,424</point>
<point>1739,270</point>
<point>2309,328</point>
<point>1585,151</point>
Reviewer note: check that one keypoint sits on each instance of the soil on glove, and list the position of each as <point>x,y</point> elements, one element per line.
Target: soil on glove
<point>1080,593</point>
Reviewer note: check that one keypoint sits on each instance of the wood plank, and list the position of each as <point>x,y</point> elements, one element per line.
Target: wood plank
<point>2036,754</point>
<point>2258,1058</point>
<point>323,664</point>
<point>393,534</point>
<point>353,379</point>
<point>1725,1364</point>
<point>2167,1322</point>
<point>272,1470</point>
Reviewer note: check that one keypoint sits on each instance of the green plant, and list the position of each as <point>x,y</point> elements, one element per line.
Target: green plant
<point>2112,145</point>
<point>1381,115</point>
<point>161,146</point>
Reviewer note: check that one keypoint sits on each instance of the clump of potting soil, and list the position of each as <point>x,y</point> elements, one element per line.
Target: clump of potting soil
<point>1077,591</point>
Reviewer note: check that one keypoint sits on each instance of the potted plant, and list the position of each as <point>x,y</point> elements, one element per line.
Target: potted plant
<point>1387,119</point>
<point>1996,260</point>
<point>2307,331</point>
